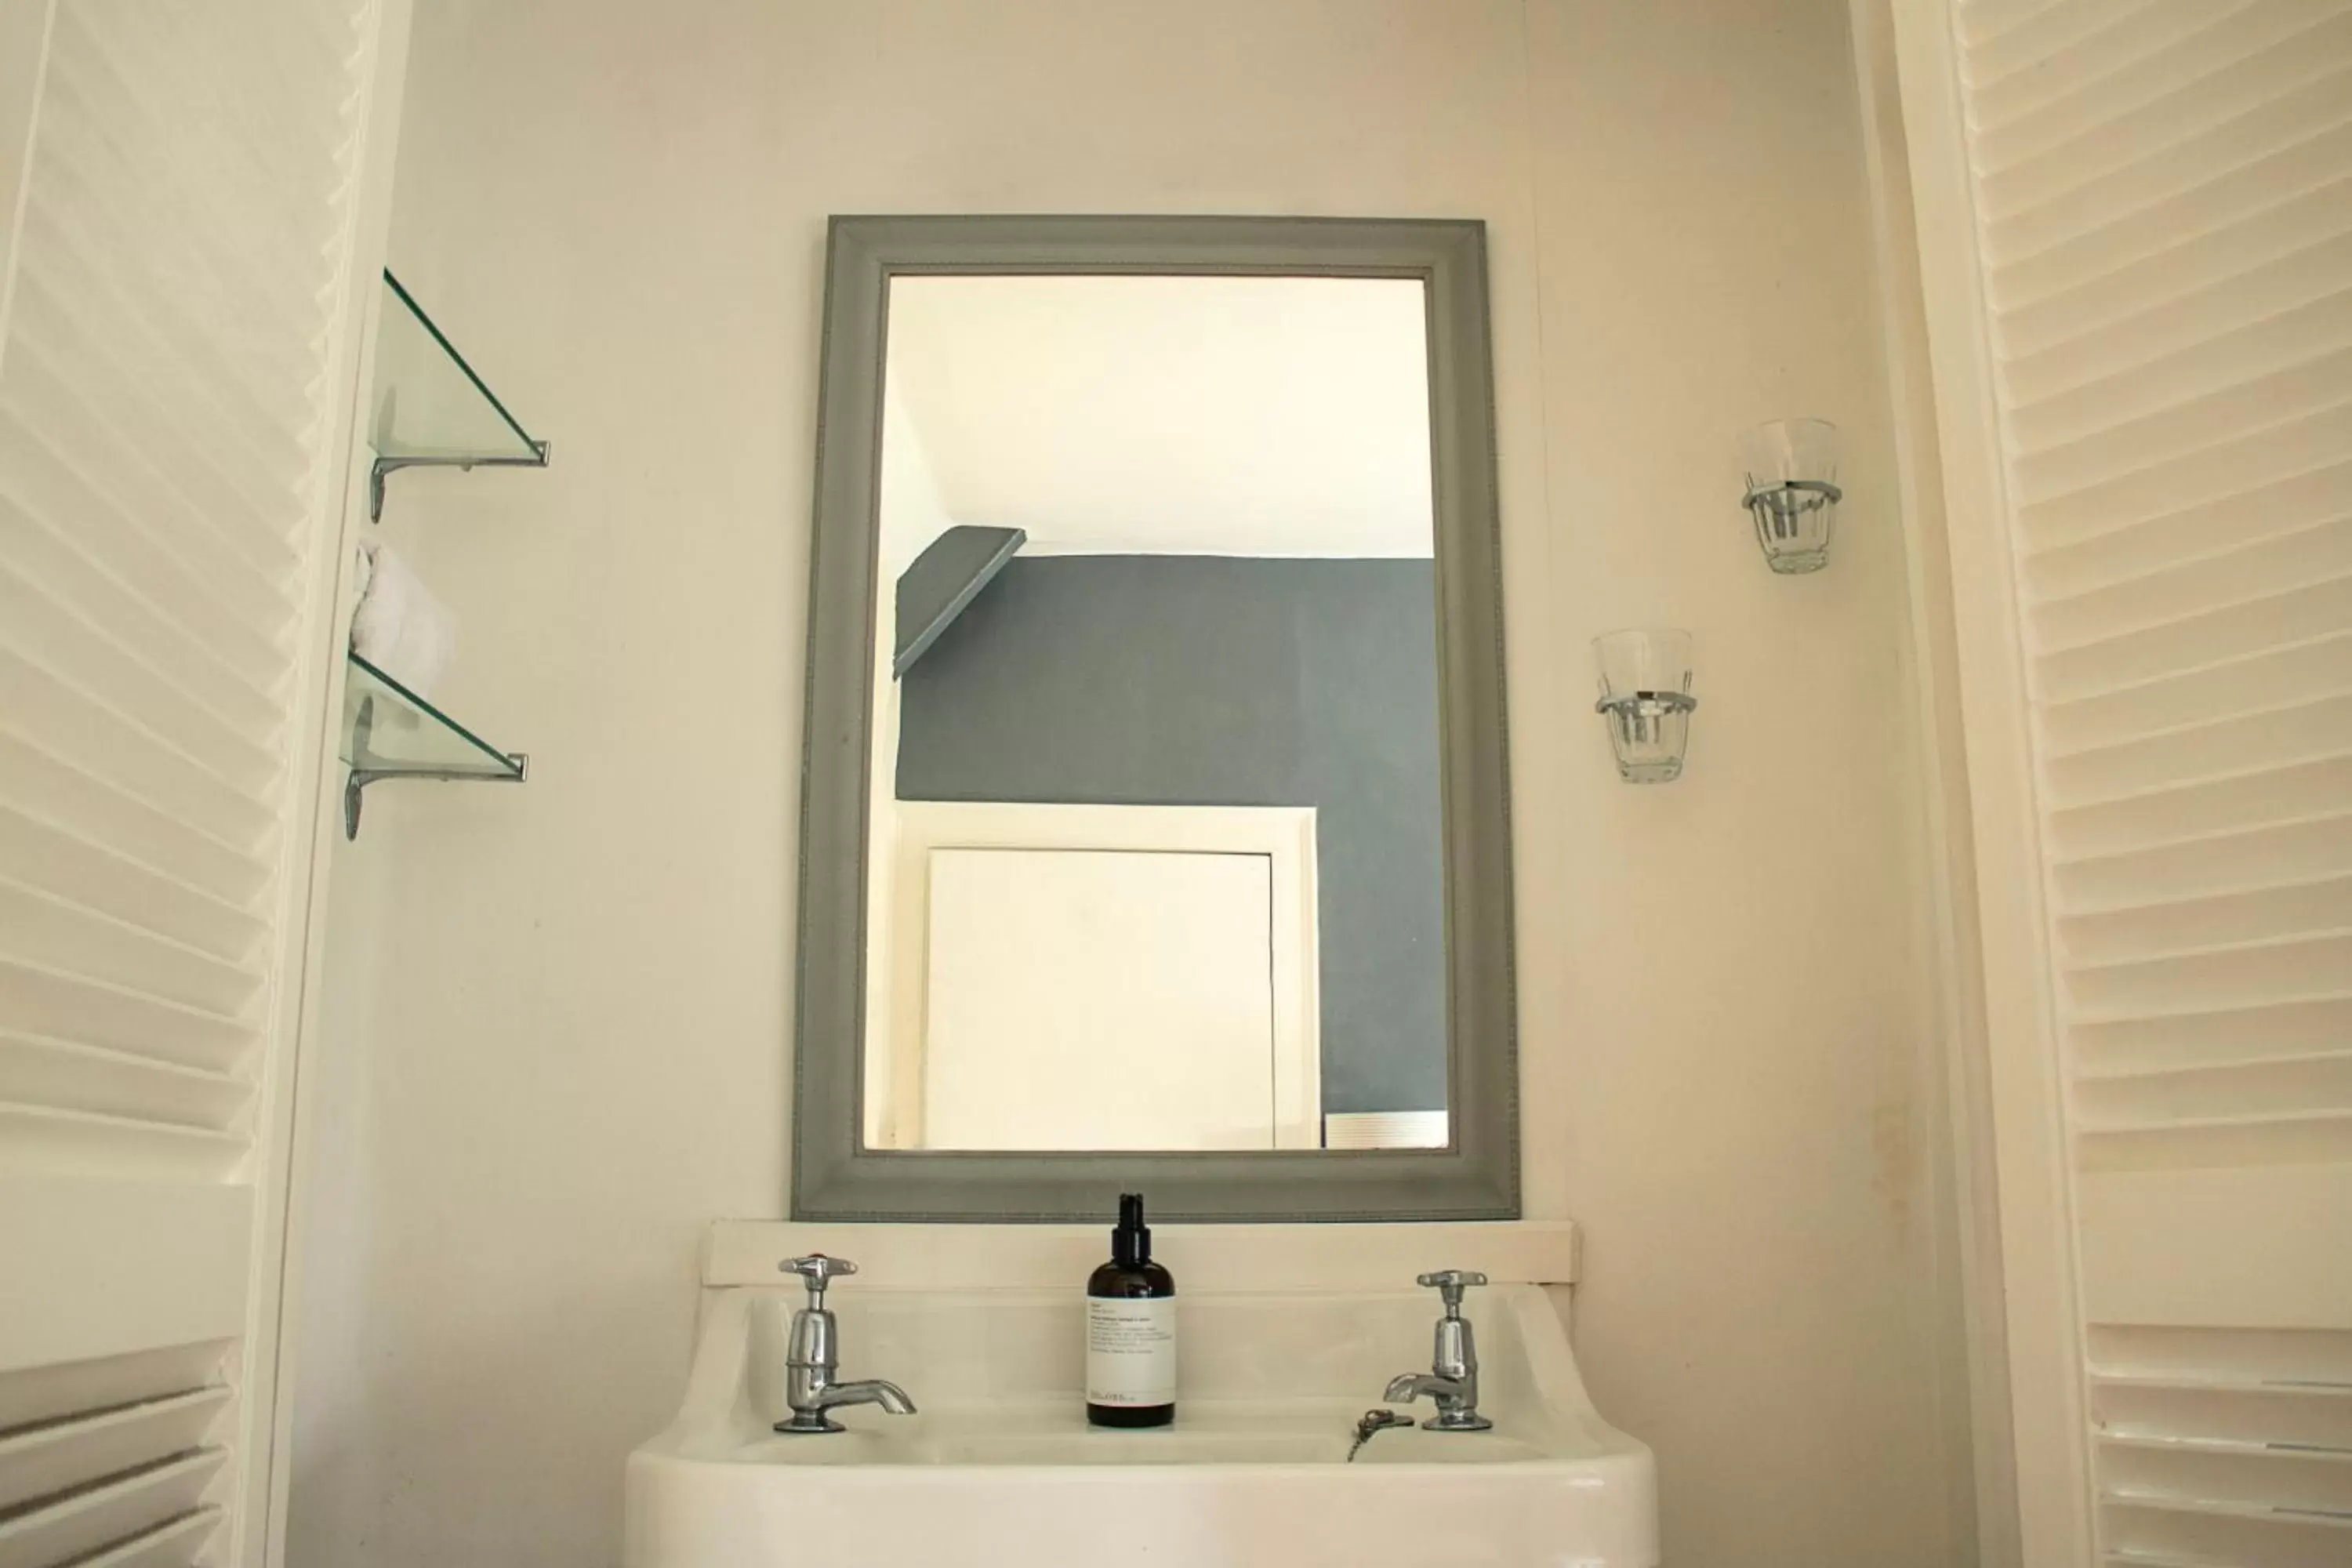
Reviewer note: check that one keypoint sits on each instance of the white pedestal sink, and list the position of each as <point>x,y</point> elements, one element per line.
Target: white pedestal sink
<point>1000,1467</point>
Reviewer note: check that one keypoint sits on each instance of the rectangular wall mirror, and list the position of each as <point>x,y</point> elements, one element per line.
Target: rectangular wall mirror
<point>1155,816</point>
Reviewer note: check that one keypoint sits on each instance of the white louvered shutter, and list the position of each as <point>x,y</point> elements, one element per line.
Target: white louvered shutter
<point>177,193</point>
<point>2162,201</point>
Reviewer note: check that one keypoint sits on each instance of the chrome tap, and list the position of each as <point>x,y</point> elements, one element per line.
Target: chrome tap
<point>1452,1380</point>
<point>814,1355</point>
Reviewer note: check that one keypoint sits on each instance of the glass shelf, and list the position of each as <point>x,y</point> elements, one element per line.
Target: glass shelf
<point>429,409</point>
<point>388,728</point>
<point>390,733</point>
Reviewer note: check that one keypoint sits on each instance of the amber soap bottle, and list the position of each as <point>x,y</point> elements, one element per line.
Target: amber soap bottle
<point>1130,1329</point>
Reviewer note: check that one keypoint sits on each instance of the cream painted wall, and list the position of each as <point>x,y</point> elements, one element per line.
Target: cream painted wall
<point>567,1046</point>
<point>1749,1122</point>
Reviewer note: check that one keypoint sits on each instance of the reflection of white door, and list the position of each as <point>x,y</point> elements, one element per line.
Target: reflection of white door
<point>1096,977</point>
<point>1099,999</point>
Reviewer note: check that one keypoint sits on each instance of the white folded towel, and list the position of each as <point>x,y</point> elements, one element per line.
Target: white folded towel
<point>400,626</point>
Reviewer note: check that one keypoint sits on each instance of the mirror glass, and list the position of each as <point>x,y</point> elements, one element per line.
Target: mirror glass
<point>1155,848</point>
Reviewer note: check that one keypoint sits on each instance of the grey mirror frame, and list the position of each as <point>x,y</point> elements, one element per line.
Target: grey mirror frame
<point>834,1176</point>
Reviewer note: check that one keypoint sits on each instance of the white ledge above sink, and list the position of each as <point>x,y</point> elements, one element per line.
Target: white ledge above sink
<point>999,1466</point>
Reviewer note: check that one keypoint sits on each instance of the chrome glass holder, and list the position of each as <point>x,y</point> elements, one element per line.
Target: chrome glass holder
<point>1794,520</point>
<point>1649,731</point>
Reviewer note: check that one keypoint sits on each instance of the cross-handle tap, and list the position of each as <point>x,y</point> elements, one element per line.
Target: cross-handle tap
<point>817,1271</point>
<point>813,1356</point>
<point>1452,1380</point>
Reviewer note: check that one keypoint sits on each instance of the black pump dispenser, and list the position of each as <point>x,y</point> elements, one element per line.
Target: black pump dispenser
<point>1131,1242</point>
<point>1130,1329</point>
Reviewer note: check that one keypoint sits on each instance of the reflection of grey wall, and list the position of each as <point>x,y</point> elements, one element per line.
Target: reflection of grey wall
<point>1208,680</point>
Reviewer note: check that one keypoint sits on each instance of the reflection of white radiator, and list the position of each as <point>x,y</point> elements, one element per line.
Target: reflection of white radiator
<point>1384,1130</point>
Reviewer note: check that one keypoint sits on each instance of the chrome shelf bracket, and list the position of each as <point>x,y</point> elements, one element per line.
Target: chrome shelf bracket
<point>384,467</point>
<point>360,778</point>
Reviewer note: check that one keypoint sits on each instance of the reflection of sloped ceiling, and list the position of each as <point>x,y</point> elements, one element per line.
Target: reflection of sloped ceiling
<point>1186,416</point>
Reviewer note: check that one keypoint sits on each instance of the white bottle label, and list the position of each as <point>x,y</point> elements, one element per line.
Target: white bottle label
<point>1131,1351</point>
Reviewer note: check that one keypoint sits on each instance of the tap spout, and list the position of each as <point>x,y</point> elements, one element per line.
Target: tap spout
<point>866,1391</point>
<point>1414,1386</point>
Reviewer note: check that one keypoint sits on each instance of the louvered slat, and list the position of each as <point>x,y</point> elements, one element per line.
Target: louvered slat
<point>2241,631</point>
<point>175,1543</point>
<point>2091,356</point>
<point>2265,567</point>
<point>2202,473</point>
<point>286,137</point>
<point>39,563</point>
<point>2215,865</point>
<point>111,1456</point>
<point>107,1516</point>
<point>2268,733</point>
<point>2202,1040</point>
<point>109,462</point>
<point>197,459</point>
<point>2283,504</point>
<point>90,656</point>
<point>33,1396</point>
<point>2198,270</point>
<point>37,1000</point>
<point>2180,1530</point>
<point>2206,925</point>
<point>199,294</point>
<point>213,431</point>
<point>2301,1419</point>
<point>61,933</point>
<point>2287,677</point>
<point>43,855</point>
<point>59,1075</point>
<point>2239,383</point>
<point>2294,967</point>
<point>114,134</point>
<point>80,247</point>
<point>115,1148</point>
<point>2220,145</point>
<point>79,726</point>
<point>58,1456</point>
<point>2127,241</point>
<point>2169,43</point>
<point>2218,1143</point>
<point>2311,1085</point>
<point>2315,792</point>
<point>2188,96</point>
<point>43,491</point>
<point>126,821</point>
<point>2163,192</point>
<point>2005,36</point>
<point>2273,1480</point>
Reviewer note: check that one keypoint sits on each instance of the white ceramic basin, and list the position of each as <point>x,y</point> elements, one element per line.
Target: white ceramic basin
<point>1000,1468</point>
